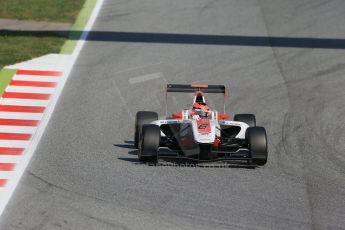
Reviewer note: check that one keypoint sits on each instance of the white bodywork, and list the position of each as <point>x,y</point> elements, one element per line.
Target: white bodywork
<point>199,137</point>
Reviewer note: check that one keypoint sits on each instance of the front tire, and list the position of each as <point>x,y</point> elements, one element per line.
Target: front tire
<point>149,143</point>
<point>142,118</point>
<point>249,119</point>
<point>257,144</point>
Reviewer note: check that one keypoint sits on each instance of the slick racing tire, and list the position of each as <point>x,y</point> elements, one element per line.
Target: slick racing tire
<point>142,118</point>
<point>149,143</point>
<point>249,119</point>
<point>257,144</point>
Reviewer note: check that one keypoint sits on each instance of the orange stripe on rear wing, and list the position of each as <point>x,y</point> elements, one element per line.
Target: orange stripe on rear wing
<point>199,86</point>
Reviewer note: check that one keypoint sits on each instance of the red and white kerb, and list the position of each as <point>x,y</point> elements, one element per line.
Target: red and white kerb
<point>22,106</point>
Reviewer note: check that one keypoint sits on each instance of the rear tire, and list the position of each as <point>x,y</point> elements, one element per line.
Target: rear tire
<point>149,143</point>
<point>257,144</point>
<point>142,118</point>
<point>249,119</point>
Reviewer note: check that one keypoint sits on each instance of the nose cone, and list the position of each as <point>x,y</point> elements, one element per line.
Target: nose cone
<point>204,131</point>
<point>204,125</point>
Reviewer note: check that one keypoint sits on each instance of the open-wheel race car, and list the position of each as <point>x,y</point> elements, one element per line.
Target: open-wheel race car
<point>200,134</point>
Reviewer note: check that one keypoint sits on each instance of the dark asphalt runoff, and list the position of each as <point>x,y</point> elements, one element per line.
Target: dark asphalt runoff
<point>282,60</point>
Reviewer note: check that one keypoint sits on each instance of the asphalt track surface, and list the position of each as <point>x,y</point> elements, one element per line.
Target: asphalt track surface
<point>84,174</point>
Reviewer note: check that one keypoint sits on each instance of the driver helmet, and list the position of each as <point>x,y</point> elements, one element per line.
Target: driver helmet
<point>200,106</point>
<point>201,109</point>
<point>201,113</point>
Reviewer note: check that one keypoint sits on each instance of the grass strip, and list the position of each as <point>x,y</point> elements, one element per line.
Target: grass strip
<point>78,27</point>
<point>5,78</point>
<point>41,10</point>
<point>18,46</point>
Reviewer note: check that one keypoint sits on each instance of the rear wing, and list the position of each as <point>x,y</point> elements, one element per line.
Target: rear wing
<point>196,87</point>
<point>181,88</point>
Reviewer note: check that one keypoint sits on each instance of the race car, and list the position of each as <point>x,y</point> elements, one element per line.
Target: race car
<point>199,133</point>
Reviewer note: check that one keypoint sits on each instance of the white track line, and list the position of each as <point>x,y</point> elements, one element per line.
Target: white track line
<point>35,78</point>
<point>17,129</point>
<point>13,182</point>
<point>27,89</point>
<point>25,116</point>
<point>143,78</point>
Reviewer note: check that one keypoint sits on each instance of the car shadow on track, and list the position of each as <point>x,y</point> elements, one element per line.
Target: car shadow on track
<point>182,163</point>
<point>196,39</point>
<point>126,146</point>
